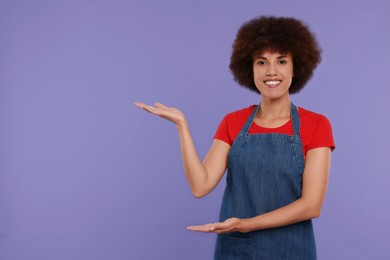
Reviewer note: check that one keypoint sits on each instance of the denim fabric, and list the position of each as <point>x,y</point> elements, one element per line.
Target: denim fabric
<point>265,173</point>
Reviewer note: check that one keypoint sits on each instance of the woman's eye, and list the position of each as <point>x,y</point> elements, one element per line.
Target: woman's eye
<point>261,62</point>
<point>282,62</point>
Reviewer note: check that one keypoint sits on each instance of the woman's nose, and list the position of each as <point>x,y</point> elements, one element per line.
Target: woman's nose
<point>271,70</point>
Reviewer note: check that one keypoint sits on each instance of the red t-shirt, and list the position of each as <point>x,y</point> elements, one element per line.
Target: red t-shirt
<point>315,130</point>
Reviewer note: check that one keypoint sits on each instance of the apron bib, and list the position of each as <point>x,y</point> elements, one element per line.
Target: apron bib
<point>264,174</point>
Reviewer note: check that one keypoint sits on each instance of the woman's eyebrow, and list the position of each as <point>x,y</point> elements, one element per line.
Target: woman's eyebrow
<point>260,57</point>
<point>279,57</point>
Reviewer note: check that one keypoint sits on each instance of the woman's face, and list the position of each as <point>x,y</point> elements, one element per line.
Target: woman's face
<point>273,73</point>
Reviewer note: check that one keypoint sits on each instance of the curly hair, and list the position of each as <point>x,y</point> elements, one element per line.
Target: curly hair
<point>284,35</point>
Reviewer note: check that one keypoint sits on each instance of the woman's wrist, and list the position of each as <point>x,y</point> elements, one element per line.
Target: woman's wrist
<point>244,225</point>
<point>182,124</point>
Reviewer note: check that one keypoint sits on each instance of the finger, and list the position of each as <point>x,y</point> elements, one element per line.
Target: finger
<point>139,104</point>
<point>218,227</point>
<point>151,109</point>
<point>147,108</point>
<point>202,228</point>
<point>194,228</point>
<point>143,106</point>
<point>159,105</point>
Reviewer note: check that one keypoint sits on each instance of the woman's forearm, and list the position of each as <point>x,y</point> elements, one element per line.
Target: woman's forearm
<point>294,212</point>
<point>194,169</point>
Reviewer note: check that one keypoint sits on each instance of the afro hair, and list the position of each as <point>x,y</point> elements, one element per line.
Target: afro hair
<point>277,34</point>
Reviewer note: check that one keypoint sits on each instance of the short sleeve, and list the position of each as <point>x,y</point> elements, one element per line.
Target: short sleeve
<point>222,132</point>
<point>322,135</point>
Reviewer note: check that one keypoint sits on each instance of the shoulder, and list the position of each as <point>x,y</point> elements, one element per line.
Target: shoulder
<point>232,123</point>
<point>312,119</point>
<point>316,129</point>
<point>242,111</point>
<point>241,114</point>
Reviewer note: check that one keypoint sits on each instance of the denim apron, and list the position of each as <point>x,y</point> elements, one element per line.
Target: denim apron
<point>264,174</point>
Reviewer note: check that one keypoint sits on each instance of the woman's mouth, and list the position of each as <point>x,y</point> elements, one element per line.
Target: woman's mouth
<point>272,83</point>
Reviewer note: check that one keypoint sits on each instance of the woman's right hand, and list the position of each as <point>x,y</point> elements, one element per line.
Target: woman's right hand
<point>169,113</point>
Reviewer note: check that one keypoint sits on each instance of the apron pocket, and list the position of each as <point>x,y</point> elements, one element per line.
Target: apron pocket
<point>232,248</point>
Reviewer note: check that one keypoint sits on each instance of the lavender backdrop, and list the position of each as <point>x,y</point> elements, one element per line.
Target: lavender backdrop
<point>86,175</point>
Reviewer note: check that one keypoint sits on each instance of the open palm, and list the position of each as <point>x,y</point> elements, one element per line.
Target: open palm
<point>169,113</point>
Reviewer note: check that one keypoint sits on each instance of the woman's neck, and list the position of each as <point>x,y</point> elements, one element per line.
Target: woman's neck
<point>275,108</point>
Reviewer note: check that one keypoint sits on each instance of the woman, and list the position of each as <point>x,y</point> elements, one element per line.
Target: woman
<point>277,155</point>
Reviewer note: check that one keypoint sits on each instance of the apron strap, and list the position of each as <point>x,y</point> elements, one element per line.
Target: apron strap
<point>248,123</point>
<point>296,122</point>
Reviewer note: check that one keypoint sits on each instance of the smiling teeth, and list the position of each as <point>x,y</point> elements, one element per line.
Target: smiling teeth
<point>272,82</point>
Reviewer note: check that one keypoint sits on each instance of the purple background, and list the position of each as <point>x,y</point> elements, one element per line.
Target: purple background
<point>86,175</point>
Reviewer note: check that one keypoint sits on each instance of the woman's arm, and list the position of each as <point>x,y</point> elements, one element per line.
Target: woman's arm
<point>202,177</point>
<point>314,185</point>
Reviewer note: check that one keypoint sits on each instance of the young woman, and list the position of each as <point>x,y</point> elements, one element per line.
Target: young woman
<point>277,155</point>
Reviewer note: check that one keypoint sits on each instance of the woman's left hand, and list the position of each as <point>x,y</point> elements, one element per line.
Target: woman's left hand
<point>229,225</point>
